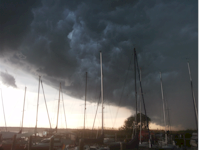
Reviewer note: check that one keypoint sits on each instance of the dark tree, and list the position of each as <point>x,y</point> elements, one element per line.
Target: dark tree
<point>128,123</point>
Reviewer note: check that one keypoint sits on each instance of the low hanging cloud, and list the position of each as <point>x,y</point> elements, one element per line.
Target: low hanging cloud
<point>8,79</point>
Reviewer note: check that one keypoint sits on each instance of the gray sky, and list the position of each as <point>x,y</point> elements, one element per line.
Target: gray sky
<point>61,41</point>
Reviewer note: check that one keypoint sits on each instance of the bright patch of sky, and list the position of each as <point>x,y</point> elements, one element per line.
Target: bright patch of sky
<point>74,109</point>
<point>13,99</point>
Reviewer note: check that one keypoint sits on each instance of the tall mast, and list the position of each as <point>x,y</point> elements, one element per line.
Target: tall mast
<point>193,97</point>
<point>142,93</point>
<point>167,120</point>
<point>23,109</point>
<point>58,109</point>
<point>101,89</point>
<point>3,110</point>
<point>147,119</point>
<point>37,105</point>
<point>85,99</point>
<point>163,105</point>
<point>46,104</point>
<point>135,89</point>
<point>140,110</point>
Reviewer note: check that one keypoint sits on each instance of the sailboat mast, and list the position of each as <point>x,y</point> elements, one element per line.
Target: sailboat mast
<point>140,110</point>
<point>193,97</point>
<point>167,114</point>
<point>135,90</point>
<point>58,109</point>
<point>101,90</point>
<point>3,110</point>
<point>23,109</point>
<point>163,105</point>
<point>169,124</point>
<point>85,98</point>
<point>37,105</point>
<point>142,93</point>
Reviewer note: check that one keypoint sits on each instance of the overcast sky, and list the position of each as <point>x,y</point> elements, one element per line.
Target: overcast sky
<point>61,40</point>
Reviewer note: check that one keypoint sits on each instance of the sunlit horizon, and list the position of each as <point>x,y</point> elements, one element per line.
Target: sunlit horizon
<point>74,109</point>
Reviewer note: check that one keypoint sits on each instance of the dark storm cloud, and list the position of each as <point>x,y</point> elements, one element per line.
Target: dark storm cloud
<point>8,79</point>
<point>15,17</point>
<point>61,40</point>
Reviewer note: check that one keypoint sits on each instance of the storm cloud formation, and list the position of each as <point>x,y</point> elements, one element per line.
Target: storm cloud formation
<point>61,40</point>
<point>8,79</point>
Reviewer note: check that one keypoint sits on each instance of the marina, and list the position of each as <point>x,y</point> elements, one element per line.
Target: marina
<point>99,75</point>
<point>66,139</point>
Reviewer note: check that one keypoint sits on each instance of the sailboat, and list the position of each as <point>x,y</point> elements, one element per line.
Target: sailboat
<point>134,143</point>
<point>44,144</point>
<point>164,144</point>
<point>98,140</point>
<point>37,138</point>
<point>194,139</point>
<point>91,141</point>
<point>8,137</point>
<point>141,144</point>
<point>50,131</point>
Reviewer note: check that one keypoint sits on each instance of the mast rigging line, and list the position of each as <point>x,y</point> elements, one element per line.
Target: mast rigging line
<point>37,105</point>
<point>193,97</point>
<point>45,103</point>
<point>96,111</point>
<point>141,87</point>
<point>23,110</point>
<point>64,108</point>
<point>58,109</point>
<point>110,113</point>
<point>96,108</point>
<point>123,89</point>
<point>163,100</point>
<point>138,70</point>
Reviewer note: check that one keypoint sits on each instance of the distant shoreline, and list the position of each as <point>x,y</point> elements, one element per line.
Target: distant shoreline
<point>41,129</point>
<point>15,129</point>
